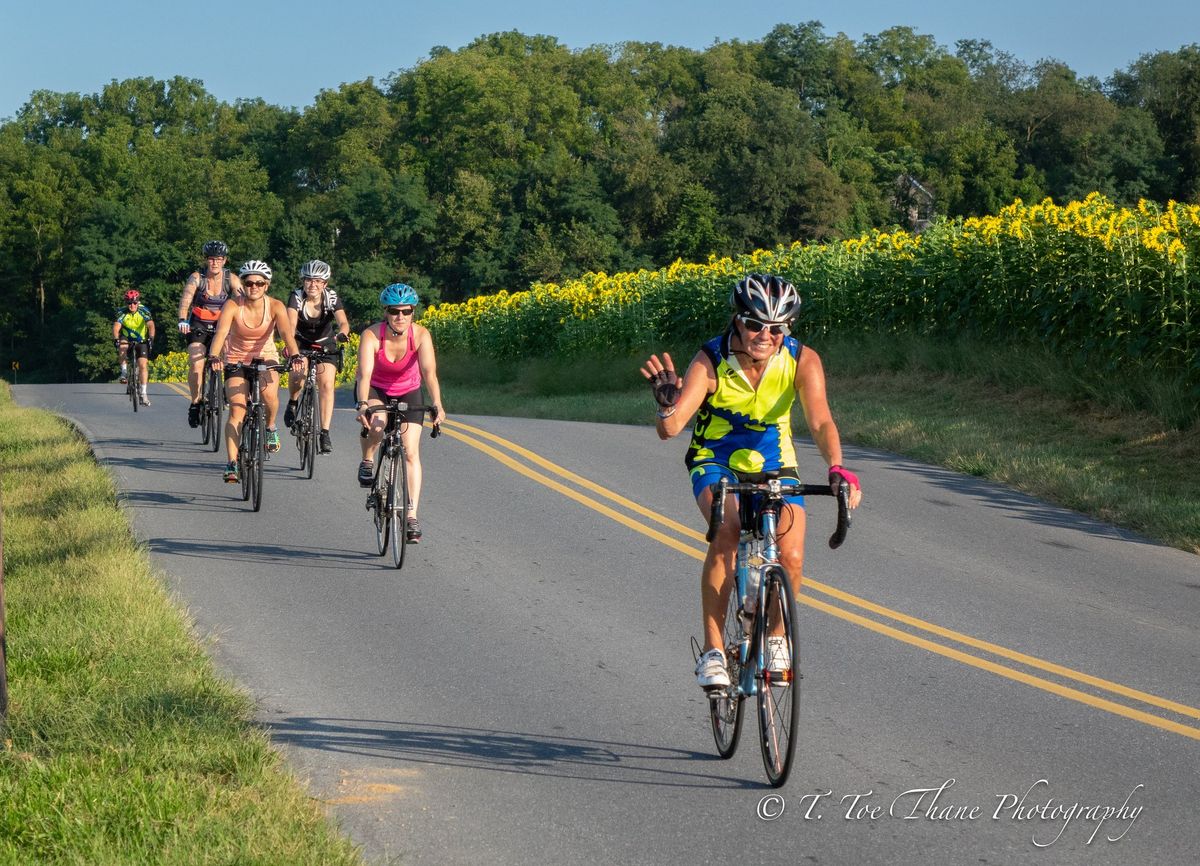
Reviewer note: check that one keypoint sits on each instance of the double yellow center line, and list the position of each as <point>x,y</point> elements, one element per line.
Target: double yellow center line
<point>480,439</point>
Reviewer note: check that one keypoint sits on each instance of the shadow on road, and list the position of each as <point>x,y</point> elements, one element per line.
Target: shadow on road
<point>506,751</point>
<point>272,554</point>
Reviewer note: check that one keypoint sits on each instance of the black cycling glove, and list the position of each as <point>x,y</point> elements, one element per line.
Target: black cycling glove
<point>666,387</point>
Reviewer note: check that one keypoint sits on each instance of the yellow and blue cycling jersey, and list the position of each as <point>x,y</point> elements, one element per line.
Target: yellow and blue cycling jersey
<point>135,326</point>
<point>747,429</point>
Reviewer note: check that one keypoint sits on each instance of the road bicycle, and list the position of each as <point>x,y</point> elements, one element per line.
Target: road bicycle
<point>307,424</point>
<point>761,639</point>
<point>252,441</point>
<point>132,375</point>
<point>212,402</point>
<point>388,499</point>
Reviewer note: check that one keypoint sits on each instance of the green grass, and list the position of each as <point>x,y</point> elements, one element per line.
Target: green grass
<point>122,744</point>
<point>1105,445</point>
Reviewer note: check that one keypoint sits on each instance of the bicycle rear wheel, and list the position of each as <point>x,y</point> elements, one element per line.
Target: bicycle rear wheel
<point>257,458</point>
<point>725,705</point>
<point>379,494</point>
<point>778,690</point>
<point>398,509</point>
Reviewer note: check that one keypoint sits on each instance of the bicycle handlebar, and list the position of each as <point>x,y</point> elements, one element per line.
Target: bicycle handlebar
<point>261,367</point>
<point>786,487</point>
<point>401,406</point>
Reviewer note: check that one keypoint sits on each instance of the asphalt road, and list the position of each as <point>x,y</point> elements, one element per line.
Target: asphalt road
<point>988,679</point>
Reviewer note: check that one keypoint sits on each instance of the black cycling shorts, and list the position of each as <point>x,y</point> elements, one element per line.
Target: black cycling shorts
<point>413,398</point>
<point>140,350</point>
<point>201,335</point>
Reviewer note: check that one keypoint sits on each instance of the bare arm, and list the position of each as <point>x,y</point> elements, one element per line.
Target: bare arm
<point>284,327</point>
<point>427,361</point>
<point>810,388</point>
<point>189,292</point>
<point>343,323</point>
<point>368,345</point>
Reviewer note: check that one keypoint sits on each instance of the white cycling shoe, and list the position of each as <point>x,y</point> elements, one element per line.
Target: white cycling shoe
<point>711,672</point>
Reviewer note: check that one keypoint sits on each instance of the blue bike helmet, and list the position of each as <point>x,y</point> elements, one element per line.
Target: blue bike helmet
<point>398,293</point>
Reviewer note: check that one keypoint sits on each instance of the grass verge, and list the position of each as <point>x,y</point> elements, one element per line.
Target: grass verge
<point>1014,415</point>
<point>122,744</point>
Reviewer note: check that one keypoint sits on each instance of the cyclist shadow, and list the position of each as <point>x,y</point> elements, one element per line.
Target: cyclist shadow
<point>504,752</point>
<point>174,501</point>
<point>273,554</point>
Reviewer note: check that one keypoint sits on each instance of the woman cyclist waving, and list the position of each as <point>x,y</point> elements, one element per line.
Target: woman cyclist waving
<point>743,383</point>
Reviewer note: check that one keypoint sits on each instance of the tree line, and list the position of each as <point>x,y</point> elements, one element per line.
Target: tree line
<point>516,160</point>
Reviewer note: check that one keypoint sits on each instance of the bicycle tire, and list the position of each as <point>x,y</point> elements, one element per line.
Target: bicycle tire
<point>308,458</point>
<point>213,400</point>
<point>398,509</point>
<point>245,448</point>
<point>725,705</point>
<point>258,457</point>
<point>379,491</point>
<point>778,693</point>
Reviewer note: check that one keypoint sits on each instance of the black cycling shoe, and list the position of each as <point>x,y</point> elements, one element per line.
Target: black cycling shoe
<point>193,414</point>
<point>289,414</point>
<point>412,530</point>
<point>325,443</point>
<point>366,473</point>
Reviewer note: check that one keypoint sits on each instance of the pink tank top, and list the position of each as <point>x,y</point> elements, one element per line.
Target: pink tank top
<point>248,342</point>
<point>396,378</point>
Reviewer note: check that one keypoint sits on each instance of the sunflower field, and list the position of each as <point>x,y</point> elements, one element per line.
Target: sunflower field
<point>1099,282</point>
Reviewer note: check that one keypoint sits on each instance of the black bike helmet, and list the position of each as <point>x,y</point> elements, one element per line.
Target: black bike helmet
<point>215,248</point>
<point>765,297</point>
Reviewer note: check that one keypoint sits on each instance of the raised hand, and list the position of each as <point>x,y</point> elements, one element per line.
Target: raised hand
<point>663,379</point>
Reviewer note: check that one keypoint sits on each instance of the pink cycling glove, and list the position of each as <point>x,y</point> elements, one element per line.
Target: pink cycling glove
<point>836,472</point>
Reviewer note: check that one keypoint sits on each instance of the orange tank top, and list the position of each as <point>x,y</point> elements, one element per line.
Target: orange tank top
<point>247,342</point>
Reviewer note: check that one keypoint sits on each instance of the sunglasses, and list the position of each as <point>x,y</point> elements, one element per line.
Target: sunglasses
<point>254,284</point>
<point>754,326</point>
<point>399,311</point>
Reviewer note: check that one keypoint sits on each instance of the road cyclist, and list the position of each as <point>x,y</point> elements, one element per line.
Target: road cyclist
<point>204,294</point>
<point>395,357</point>
<point>246,332</point>
<point>133,327</point>
<point>741,386</point>
<point>317,316</point>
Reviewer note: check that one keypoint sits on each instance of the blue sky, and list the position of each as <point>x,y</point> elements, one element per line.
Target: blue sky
<point>286,51</point>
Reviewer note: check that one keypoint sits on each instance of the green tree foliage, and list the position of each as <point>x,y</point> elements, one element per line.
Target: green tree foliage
<point>516,159</point>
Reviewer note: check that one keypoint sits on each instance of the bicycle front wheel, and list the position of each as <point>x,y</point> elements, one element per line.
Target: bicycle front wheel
<point>308,457</point>
<point>776,645</point>
<point>725,705</point>
<point>213,398</point>
<point>258,457</point>
<point>398,509</point>
<point>379,494</point>
<point>245,452</point>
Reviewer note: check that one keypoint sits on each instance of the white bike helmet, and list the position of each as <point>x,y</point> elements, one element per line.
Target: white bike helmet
<point>254,266</point>
<point>766,298</point>
<point>315,270</point>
